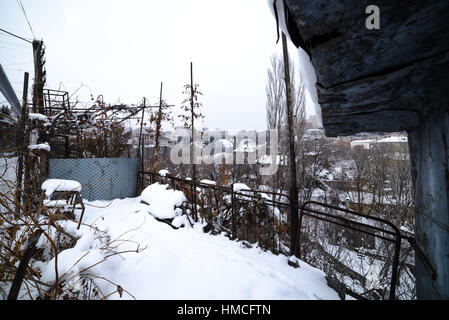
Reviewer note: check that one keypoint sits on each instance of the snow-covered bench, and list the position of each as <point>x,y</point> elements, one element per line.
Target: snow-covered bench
<point>63,196</point>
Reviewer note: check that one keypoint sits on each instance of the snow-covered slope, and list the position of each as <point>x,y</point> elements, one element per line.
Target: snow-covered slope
<point>178,264</point>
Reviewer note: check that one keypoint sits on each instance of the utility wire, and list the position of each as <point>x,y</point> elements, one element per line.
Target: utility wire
<point>11,43</point>
<point>14,35</point>
<point>16,63</point>
<point>13,49</point>
<point>24,13</point>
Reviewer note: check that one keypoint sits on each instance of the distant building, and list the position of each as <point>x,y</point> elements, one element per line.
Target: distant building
<point>311,134</point>
<point>365,144</point>
<point>368,143</point>
<point>312,123</point>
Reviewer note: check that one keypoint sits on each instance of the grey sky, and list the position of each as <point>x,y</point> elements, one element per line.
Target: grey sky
<point>124,49</point>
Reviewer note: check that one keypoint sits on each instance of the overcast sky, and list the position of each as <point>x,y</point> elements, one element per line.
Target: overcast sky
<point>125,49</point>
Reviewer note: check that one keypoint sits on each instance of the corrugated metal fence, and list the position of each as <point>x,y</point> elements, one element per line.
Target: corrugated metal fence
<point>101,178</point>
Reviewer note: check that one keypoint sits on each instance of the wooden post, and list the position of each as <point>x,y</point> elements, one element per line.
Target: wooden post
<point>21,141</point>
<point>293,190</point>
<point>192,153</point>
<point>158,130</point>
<point>234,235</point>
<point>141,145</point>
<point>38,88</point>
<point>28,165</point>
<point>38,106</point>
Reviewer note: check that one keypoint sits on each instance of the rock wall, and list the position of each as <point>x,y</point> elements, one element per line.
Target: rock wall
<point>375,80</point>
<point>429,143</point>
<point>394,78</point>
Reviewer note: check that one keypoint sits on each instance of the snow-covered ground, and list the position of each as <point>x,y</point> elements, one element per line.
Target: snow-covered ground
<point>176,264</point>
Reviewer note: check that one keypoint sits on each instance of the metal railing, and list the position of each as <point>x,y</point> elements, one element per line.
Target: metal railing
<point>234,202</point>
<point>230,207</point>
<point>345,219</point>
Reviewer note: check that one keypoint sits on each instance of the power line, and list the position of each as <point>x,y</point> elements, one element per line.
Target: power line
<point>11,43</point>
<point>13,49</point>
<point>16,63</point>
<point>14,35</point>
<point>24,13</point>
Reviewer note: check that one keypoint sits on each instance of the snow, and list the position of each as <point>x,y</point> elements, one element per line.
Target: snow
<point>176,264</point>
<point>55,203</point>
<point>164,172</point>
<point>246,145</point>
<point>162,201</point>
<point>227,157</point>
<point>224,142</point>
<point>52,185</point>
<point>179,221</point>
<point>268,159</point>
<point>304,65</point>
<point>40,146</point>
<point>37,116</point>
<point>393,139</point>
<point>405,229</point>
<point>208,181</point>
<point>240,186</point>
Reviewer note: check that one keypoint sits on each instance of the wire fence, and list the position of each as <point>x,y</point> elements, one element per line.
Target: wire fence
<point>8,174</point>
<point>8,139</point>
<point>100,178</point>
<point>358,250</point>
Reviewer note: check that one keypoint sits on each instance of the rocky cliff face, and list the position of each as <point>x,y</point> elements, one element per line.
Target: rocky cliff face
<point>384,79</point>
<point>393,78</point>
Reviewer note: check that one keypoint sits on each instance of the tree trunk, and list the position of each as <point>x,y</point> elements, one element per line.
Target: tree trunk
<point>293,190</point>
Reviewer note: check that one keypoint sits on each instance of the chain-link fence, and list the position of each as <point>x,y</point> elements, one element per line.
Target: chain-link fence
<point>8,138</point>
<point>100,178</point>
<point>8,166</point>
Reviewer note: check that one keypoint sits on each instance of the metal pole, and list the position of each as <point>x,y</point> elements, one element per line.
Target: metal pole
<point>233,211</point>
<point>27,162</point>
<point>23,265</point>
<point>193,121</point>
<point>158,130</point>
<point>8,92</point>
<point>293,190</point>
<point>394,267</point>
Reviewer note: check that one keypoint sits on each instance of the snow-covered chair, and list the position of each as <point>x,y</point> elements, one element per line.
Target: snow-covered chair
<point>63,196</point>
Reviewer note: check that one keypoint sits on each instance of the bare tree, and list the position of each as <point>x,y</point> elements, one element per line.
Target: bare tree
<point>276,109</point>
<point>163,114</point>
<point>285,112</point>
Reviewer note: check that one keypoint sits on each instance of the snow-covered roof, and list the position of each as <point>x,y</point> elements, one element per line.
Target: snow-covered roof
<point>246,145</point>
<point>362,141</point>
<point>208,181</point>
<point>40,146</point>
<point>393,139</point>
<point>225,142</point>
<point>164,172</point>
